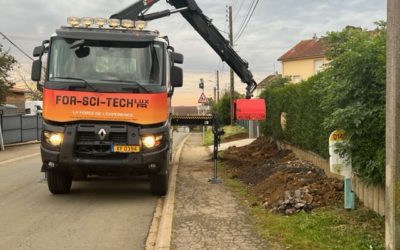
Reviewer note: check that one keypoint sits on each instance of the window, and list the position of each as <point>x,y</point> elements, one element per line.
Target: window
<point>97,61</point>
<point>318,65</point>
<point>296,78</point>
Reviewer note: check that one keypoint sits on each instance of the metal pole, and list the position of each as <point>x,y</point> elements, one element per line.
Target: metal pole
<point>232,74</point>
<point>217,136</point>
<point>21,124</point>
<point>217,86</point>
<point>392,206</point>
<point>1,134</point>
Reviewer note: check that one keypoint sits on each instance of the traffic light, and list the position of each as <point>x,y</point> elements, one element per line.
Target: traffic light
<point>201,84</point>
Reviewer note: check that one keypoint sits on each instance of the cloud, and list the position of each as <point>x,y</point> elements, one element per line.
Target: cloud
<point>275,27</point>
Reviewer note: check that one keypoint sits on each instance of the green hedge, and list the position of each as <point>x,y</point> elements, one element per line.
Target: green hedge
<point>304,118</point>
<point>349,94</point>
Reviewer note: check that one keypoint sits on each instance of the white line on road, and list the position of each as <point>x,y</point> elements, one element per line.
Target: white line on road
<point>19,158</point>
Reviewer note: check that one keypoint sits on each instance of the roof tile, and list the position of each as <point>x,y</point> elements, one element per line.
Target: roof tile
<point>305,49</point>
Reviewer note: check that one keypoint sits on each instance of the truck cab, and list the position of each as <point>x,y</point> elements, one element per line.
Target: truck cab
<point>106,102</point>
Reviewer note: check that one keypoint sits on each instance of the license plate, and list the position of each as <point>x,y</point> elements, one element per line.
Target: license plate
<point>125,149</point>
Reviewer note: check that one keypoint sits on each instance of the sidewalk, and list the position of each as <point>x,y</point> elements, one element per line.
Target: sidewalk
<point>20,151</point>
<point>238,143</point>
<point>208,216</point>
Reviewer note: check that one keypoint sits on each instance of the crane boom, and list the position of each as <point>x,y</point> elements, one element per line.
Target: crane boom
<point>203,25</point>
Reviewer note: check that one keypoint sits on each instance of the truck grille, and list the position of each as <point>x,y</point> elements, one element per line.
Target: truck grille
<point>86,136</point>
<point>116,137</point>
<point>89,145</point>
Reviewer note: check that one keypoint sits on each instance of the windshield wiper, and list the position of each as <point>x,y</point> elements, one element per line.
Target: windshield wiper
<point>130,87</point>
<point>86,84</point>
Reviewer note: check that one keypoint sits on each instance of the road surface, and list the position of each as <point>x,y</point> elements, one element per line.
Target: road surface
<point>98,214</point>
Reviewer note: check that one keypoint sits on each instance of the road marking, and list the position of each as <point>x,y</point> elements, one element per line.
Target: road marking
<point>19,158</point>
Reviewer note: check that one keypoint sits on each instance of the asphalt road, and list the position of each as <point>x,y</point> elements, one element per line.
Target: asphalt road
<point>97,214</point>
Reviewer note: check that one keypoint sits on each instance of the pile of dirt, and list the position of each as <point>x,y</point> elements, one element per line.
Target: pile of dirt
<point>284,183</point>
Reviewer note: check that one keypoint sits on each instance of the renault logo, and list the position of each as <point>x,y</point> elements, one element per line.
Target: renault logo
<point>102,134</point>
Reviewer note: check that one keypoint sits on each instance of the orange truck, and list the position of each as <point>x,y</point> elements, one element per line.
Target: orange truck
<point>107,92</point>
<point>106,102</point>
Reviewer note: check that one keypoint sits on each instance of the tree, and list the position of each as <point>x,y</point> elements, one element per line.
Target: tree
<point>354,96</point>
<point>34,94</point>
<point>7,62</point>
<point>224,107</point>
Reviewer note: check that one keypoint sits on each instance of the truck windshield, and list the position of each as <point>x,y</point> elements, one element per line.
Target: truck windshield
<point>111,61</point>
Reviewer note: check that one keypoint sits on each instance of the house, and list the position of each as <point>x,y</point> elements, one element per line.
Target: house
<point>264,83</point>
<point>16,97</point>
<point>304,60</point>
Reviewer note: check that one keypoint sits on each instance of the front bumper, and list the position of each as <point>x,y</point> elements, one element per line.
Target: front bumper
<point>71,158</point>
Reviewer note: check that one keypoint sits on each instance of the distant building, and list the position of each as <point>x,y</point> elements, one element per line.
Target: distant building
<point>16,97</point>
<point>304,60</point>
<point>185,110</point>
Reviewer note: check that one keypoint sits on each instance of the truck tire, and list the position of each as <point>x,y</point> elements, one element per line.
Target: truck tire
<point>59,182</point>
<point>159,184</point>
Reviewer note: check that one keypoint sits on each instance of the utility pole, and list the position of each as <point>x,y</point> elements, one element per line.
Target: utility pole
<point>232,74</point>
<point>217,86</point>
<point>392,206</point>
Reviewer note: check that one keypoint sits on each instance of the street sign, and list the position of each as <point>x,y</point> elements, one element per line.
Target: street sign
<point>203,99</point>
<point>339,164</point>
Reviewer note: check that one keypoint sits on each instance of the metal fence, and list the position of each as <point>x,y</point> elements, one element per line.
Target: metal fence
<point>20,128</point>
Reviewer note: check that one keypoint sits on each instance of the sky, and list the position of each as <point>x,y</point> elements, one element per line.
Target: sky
<point>274,28</point>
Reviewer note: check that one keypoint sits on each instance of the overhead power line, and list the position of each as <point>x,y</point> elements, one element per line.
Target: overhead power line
<point>247,19</point>
<point>246,16</point>
<point>238,9</point>
<point>16,46</point>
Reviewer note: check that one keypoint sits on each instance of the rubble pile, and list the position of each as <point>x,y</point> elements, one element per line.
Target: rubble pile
<point>282,182</point>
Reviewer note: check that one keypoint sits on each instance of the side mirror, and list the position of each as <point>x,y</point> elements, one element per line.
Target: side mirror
<point>176,77</point>
<point>38,51</point>
<point>176,57</point>
<point>36,70</point>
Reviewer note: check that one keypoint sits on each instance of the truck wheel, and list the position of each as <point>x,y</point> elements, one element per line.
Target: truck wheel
<point>159,184</point>
<point>59,182</point>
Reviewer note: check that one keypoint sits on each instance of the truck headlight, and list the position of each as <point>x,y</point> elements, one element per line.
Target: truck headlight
<point>53,138</point>
<point>152,141</point>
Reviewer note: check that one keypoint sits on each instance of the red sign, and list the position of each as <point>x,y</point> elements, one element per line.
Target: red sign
<point>250,109</point>
<point>202,98</point>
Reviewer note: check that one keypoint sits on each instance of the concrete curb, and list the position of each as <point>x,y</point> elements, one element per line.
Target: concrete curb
<point>159,237</point>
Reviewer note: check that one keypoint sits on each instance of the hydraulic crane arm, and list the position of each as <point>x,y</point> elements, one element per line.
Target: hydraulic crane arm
<point>203,25</point>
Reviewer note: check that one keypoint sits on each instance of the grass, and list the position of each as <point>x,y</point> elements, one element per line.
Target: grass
<point>229,131</point>
<point>323,228</point>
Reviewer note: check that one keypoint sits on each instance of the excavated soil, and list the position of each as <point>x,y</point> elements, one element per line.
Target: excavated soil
<point>281,181</point>
<point>235,137</point>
